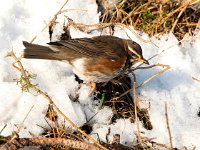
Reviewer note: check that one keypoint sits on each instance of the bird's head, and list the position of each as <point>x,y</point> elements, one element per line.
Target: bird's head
<point>135,51</point>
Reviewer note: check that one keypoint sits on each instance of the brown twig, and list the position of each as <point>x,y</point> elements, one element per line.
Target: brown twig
<point>21,69</point>
<point>150,78</point>
<point>19,128</point>
<point>74,144</point>
<point>195,79</point>
<point>76,10</point>
<point>135,109</point>
<point>168,128</point>
<point>155,75</point>
<point>90,28</point>
<point>3,128</point>
<point>51,21</point>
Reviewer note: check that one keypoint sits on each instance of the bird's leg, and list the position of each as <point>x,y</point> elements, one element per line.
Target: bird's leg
<point>92,87</point>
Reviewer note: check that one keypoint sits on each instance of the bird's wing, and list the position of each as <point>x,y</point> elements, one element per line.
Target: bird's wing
<point>92,47</point>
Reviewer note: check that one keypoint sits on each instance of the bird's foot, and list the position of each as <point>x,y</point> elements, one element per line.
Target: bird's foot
<point>92,87</point>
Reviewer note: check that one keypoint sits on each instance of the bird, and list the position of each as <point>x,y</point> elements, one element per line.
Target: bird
<point>94,60</point>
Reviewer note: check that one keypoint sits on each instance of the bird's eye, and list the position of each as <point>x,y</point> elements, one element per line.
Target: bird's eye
<point>133,51</point>
<point>134,56</point>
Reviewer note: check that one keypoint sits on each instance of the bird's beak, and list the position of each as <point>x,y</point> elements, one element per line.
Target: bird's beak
<point>142,60</point>
<point>146,61</point>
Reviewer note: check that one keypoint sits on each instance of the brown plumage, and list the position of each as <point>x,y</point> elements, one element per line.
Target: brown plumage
<point>97,59</point>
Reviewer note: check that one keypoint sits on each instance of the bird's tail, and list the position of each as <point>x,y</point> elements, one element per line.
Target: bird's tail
<point>34,51</point>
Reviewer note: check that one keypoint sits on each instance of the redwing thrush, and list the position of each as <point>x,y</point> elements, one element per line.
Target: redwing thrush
<point>97,59</point>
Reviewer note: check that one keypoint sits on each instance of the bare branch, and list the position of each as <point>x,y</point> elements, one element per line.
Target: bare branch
<point>50,142</point>
<point>150,78</point>
<point>135,109</point>
<point>52,21</point>
<point>168,128</point>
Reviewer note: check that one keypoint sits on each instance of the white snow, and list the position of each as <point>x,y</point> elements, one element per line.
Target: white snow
<point>22,20</point>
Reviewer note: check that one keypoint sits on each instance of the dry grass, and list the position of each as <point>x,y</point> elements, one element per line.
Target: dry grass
<point>154,17</point>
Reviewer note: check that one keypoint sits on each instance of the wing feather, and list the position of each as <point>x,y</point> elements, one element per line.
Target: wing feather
<point>90,47</point>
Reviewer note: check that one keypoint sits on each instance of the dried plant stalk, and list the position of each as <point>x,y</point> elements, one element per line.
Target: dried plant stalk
<point>50,142</point>
<point>168,128</point>
<point>135,110</point>
<point>167,67</point>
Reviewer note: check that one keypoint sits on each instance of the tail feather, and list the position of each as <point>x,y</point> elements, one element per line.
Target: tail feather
<point>34,51</point>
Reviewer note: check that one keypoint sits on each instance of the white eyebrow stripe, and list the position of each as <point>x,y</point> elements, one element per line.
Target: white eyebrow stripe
<point>134,52</point>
